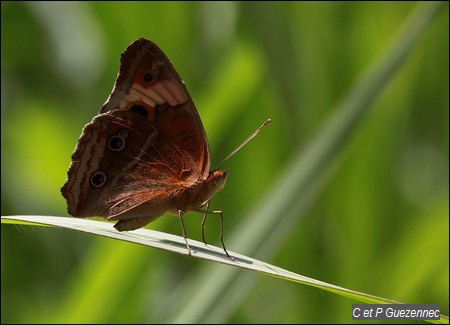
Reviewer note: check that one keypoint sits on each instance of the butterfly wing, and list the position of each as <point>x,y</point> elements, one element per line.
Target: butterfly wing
<point>147,83</point>
<point>147,143</point>
<point>122,161</point>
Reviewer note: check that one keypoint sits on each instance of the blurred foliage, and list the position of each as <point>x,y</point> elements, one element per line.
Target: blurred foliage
<point>380,224</point>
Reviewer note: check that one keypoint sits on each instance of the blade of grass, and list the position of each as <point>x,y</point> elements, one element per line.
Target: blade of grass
<point>176,244</point>
<point>262,232</point>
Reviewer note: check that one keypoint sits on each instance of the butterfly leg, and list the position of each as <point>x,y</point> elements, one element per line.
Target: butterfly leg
<point>180,215</point>
<point>206,212</point>
<point>221,234</point>
<point>203,222</point>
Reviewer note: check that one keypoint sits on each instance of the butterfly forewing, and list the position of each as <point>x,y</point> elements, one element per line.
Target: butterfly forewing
<point>149,85</point>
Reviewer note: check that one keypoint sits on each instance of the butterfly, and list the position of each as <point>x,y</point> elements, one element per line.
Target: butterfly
<point>146,152</point>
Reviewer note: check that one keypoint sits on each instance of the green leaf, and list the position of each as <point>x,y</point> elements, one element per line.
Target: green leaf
<point>200,250</point>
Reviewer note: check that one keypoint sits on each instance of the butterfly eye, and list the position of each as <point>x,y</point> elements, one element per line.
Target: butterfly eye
<point>148,77</point>
<point>116,143</point>
<point>98,179</point>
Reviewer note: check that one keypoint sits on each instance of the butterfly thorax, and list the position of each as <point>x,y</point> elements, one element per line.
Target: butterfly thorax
<point>196,195</point>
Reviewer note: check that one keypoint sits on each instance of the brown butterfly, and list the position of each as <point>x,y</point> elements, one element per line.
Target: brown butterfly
<point>146,152</point>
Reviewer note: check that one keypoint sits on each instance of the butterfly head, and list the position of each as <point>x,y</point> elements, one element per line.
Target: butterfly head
<point>204,190</point>
<point>218,178</point>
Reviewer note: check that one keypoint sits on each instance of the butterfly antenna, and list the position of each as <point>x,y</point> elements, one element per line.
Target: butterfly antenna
<point>254,134</point>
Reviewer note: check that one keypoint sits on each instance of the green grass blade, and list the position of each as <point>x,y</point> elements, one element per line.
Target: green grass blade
<point>200,250</point>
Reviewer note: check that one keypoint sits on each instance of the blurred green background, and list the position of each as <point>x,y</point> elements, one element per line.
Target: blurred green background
<point>377,221</point>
